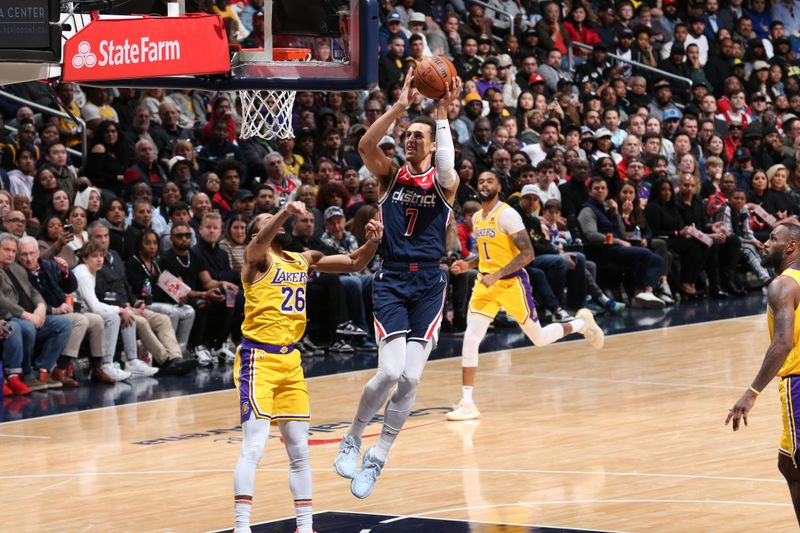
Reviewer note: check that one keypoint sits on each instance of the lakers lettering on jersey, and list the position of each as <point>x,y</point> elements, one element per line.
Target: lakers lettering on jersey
<point>493,232</point>
<point>275,304</point>
<point>496,249</point>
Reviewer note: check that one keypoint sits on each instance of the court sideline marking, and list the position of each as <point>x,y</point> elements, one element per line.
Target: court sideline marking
<point>600,380</point>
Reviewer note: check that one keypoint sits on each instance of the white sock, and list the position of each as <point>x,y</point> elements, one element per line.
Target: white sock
<point>466,393</point>
<point>603,299</point>
<point>578,325</point>
<point>241,513</point>
<point>357,428</point>
<point>381,450</point>
<point>302,509</point>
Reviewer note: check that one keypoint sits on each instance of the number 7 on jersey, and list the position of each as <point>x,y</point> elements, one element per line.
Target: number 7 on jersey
<point>412,214</point>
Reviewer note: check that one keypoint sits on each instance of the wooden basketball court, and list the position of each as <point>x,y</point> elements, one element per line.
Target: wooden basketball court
<point>627,439</point>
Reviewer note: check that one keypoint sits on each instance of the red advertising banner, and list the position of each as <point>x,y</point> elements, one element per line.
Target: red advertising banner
<point>147,47</point>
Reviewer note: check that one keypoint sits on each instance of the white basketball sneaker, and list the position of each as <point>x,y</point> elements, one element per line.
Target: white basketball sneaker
<point>464,411</point>
<point>591,331</point>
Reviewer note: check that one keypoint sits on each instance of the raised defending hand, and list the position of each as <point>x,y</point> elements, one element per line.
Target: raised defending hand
<point>740,409</point>
<point>296,208</point>
<point>409,91</point>
<point>374,229</point>
<point>459,266</point>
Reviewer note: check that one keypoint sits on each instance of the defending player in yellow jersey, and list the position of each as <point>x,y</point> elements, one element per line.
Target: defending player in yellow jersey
<point>267,369</point>
<point>504,249</point>
<point>783,355</point>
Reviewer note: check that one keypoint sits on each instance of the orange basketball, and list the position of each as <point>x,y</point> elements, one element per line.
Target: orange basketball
<point>432,74</point>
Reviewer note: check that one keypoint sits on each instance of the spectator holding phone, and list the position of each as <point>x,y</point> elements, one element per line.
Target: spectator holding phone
<point>77,220</point>
<point>54,240</point>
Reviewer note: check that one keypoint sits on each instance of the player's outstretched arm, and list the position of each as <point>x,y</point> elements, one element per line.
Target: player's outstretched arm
<point>353,262</point>
<point>375,160</point>
<point>525,256</point>
<point>446,173</point>
<point>783,297</point>
<point>255,254</point>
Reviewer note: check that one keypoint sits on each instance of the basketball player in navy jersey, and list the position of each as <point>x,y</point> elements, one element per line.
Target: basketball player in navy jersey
<point>409,289</point>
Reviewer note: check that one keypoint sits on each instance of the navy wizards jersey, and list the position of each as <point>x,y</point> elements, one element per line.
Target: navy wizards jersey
<point>415,216</point>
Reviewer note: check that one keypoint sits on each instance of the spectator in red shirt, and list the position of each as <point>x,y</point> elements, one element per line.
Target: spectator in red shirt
<point>145,169</point>
<point>581,30</point>
<point>230,172</point>
<point>468,242</point>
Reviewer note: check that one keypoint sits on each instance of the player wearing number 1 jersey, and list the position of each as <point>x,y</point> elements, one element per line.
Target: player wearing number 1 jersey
<point>267,369</point>
<point>504,248</point>
<point>409,289</point>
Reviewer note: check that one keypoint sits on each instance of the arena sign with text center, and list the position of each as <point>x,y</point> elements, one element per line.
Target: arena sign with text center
<point>147,47</point>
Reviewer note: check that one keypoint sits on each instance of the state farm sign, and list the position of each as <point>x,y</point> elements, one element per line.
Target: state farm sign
<point>147,47</point>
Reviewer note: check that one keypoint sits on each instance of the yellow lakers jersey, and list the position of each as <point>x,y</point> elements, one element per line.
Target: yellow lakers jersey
<point>275,303</point>
<point>792,364</point>
<point>495,248</point>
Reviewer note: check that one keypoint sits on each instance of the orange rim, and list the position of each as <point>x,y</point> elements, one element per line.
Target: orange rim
<point>285,54</point>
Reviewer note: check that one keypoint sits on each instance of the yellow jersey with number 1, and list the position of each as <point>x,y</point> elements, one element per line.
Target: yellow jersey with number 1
<point>495,248</point>
<point>275,303</point>
<point>792,364</point>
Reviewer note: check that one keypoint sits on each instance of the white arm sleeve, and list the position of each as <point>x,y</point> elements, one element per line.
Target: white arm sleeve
<point>510,222</point>
<point>445,155</point>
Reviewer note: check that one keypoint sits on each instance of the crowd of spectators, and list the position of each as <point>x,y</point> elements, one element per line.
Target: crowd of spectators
<point>649,146</point>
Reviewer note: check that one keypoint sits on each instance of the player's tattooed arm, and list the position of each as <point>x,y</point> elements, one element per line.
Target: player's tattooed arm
<point>354,262</point>
<point>783,297</point>
<point>525,256</point>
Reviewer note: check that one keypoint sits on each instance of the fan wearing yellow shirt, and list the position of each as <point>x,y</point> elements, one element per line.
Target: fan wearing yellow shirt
<point>504,248</point>
<point>267,370</point>
<point>783,355</point>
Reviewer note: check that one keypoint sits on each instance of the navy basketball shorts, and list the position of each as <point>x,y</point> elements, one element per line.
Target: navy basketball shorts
<point>408,299</point>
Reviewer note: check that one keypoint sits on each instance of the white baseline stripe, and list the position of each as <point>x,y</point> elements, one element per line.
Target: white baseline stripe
<point>599,380</point>
<point>390,469</point>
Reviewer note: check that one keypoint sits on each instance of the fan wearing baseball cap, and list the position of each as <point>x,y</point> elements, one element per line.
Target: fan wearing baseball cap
<point>392,27</point>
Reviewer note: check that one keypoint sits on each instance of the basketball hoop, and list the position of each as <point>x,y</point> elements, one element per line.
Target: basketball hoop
<point>266,113</point>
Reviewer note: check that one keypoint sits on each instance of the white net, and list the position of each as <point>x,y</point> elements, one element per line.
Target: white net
<point>267,114</point>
